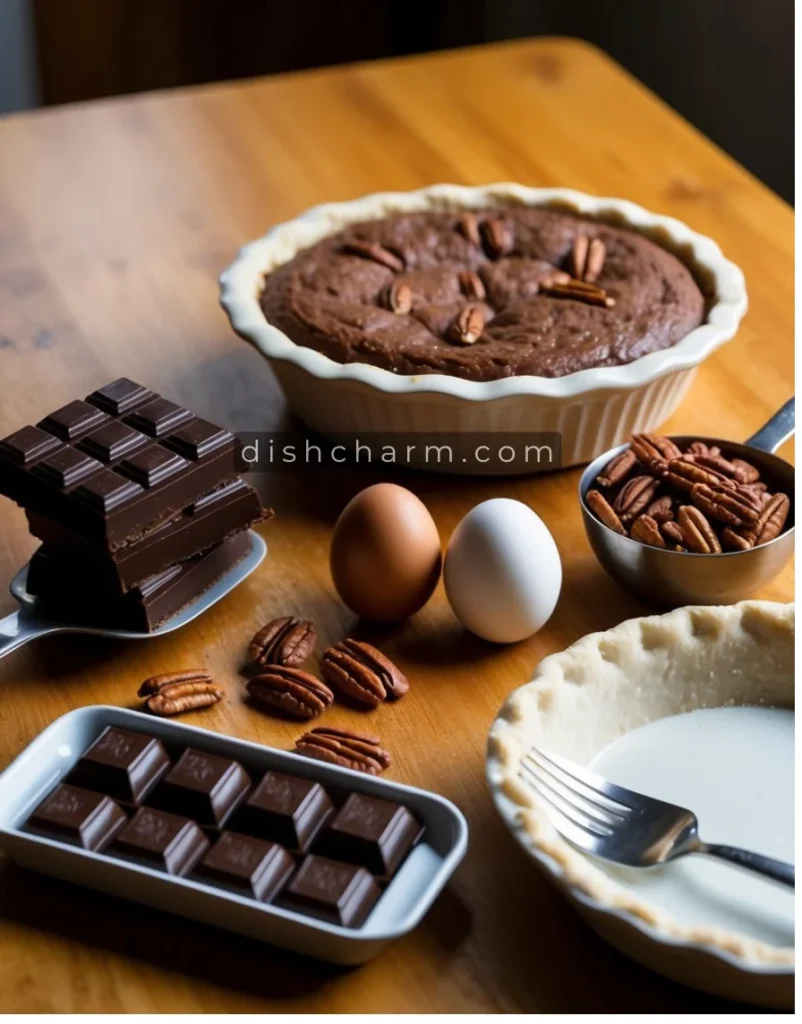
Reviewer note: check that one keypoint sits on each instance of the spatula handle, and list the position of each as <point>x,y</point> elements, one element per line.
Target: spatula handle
<point>14,632</point>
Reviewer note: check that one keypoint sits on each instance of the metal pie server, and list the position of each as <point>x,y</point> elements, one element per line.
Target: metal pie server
<point>34,618</point>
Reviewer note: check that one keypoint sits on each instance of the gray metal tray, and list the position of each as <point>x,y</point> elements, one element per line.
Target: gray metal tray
<point>402,905</point>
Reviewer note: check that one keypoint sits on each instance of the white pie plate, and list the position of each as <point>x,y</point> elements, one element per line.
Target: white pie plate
<point>584,699</point>
<point>592,410</point>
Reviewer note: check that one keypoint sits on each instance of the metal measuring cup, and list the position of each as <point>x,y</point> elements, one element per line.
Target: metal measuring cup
<point>673,578</point>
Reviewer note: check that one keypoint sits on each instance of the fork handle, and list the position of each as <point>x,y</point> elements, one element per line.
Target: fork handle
<point>777,870</point>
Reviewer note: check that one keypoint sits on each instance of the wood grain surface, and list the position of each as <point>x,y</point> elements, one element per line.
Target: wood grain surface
<point>115,219</point>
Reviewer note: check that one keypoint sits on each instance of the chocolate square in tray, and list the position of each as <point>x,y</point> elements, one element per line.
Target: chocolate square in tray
<point>110,467</point>
<point>126,765</point>
<point>193,817</point>
<point>254,867</point>
<point>78,816</point>
<point>166,841</point>
<point>287,809</point>
<point>373,832</point>
<point>204,786</point>
<point>341,893</point>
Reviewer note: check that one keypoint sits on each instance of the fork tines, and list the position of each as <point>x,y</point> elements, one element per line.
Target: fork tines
<point>571,795</point>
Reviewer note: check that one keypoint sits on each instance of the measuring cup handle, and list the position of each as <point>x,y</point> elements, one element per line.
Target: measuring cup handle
<point>14,632</point>
<point>780,427</point>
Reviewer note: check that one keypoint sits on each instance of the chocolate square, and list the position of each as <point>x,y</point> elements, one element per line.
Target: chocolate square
<point>108,490</point>
<point>198,438</point>
<point>375,833</point>
<point>253,867</point>
<point>343,894</point>
<point>119,396</point>
<point>166,841</point>
<point>203,786</point>
<point>73,420</point>
<point>112,441</point>
<point>152,465</point>
<point>89,820</point>
<point>158,417</point>
<point>29,445</point>
<point>66,467</point>
<point>126,765</point>
<point>287,809</point>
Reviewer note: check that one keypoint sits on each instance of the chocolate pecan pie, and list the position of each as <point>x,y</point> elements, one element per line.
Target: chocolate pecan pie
<point>485,295</point>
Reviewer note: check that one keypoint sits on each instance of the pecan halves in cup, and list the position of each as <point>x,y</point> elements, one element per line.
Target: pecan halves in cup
<point>685,473</point>
<point>359,671</point>
<point>291,690</point>
<point>725,504</point>
<point>661,509</point>
<point>604,511</point>
<point>700,537</point>
<point>617,469</point>
<point>347,749</point>
<point>654,452</point>
<point>673,533</point>
<point>284,641</point>
<point>635,496</point>
<point>647,531</point>
<point>771,521</point>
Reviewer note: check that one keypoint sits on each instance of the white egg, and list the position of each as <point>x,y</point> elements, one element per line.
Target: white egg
<point>502,571</point>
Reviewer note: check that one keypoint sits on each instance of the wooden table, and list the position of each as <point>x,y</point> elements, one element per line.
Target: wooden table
<point>115,219</point>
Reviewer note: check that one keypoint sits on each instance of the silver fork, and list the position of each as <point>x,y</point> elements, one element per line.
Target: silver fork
<point>620,825</point>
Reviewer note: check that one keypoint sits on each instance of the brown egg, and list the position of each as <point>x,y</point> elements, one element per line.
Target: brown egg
<point>385,553</point>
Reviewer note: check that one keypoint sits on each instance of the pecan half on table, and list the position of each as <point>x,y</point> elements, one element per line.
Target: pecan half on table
<point>348,749</point>
<point>359,671</point>
<point>284,641</point>
<point>291,690</point>
<point>172,693</point>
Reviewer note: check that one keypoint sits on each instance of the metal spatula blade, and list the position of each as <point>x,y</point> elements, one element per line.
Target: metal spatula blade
<point>34,619</point>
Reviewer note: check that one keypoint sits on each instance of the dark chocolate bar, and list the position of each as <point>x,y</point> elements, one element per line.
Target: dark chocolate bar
<point>78,816</point>
<point>343,894</point>
<point>145,607</point>
<point>287,809</point>
<point>111,467</point>
<point>124,764</point>
<point>166,841</point>
<point>206,787</point>
<point>253,867</point>
<point>233,507</point>
<point>375,833</point>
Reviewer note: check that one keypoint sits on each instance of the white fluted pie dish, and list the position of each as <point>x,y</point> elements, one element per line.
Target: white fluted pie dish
<point>695,706</point>
<point>593,409</point>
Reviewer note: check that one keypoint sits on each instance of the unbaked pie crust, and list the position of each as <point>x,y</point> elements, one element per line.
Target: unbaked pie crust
<point>610,683</point>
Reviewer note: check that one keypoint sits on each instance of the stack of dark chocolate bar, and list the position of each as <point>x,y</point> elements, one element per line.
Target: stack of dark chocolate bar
<point>285,840</point>
<point>139,505</point>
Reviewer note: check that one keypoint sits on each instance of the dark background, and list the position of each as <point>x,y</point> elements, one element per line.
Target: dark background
<point>726,65</point>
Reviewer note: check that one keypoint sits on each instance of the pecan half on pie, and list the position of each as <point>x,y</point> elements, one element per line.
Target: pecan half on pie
<point>484,294</point>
